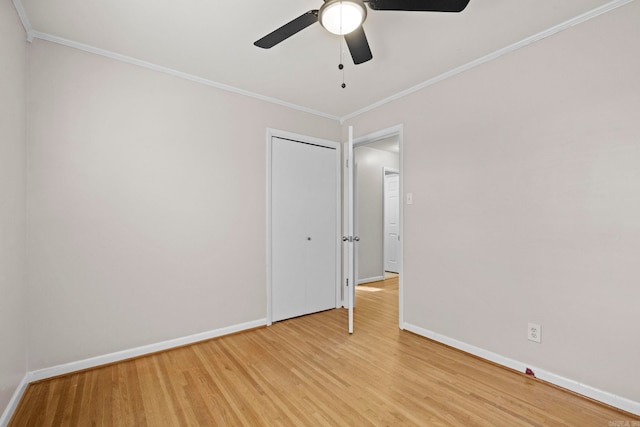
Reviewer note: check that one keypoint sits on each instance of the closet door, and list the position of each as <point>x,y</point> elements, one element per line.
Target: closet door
<point>303,228</point>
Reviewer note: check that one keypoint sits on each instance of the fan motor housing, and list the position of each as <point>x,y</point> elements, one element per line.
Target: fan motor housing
<point>342,16</point>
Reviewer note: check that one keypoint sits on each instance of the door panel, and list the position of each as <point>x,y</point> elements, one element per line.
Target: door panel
<point>303,221</point>
<point>351,267</point>
<point>287,203</point>
<point>321,205</point>
<point>391,222</point>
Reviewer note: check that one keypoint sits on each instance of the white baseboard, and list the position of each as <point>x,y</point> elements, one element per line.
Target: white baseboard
<point>370,279</point>
<point>575,386</point>
<point>13,402</point>
<point>118,356</point>
<point>42,374</point>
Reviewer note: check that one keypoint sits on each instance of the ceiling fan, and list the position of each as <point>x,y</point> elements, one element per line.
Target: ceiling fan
<point>345,17</point>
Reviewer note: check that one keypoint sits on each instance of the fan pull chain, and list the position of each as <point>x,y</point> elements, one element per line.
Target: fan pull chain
<point>341,66</point>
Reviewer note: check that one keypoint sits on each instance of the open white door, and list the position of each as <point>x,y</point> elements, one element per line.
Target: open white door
<point>350,239</point>
<point>391,222</point>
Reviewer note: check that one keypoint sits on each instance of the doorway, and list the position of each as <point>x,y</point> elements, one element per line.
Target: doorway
<point>378,160</point>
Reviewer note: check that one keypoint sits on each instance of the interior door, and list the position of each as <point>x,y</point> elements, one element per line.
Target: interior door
<point>391,220</point>
<point>303,228</point>
<point>350,238</point>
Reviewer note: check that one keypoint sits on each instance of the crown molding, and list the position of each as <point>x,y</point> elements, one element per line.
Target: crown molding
<point>176,73</point>
<point>494,55</point>
<point>24,19</point>
<point>341,119</point>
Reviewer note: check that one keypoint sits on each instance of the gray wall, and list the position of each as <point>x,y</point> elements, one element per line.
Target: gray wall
<point>147,205</point>
<point>13,47</point>
<point>370,163</point>
<point>146,199</point>
<point>525,173</point>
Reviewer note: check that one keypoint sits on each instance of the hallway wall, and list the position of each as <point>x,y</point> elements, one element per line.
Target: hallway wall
<point>370,163</point>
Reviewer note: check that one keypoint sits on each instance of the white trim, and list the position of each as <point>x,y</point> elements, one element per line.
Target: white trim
<point>271,133</point>
<point>268,224</point>
<point>301,138</point>
<point>92,362</point>
<point>493,55</point>
<point>370,280</point>
<point>13,402</point>
<point>379,135</point>
<point>176,73</point>
<point>118,356</point>
<point>569,384</point>
<point>345,223</point>
<point>24,19</point>
<point>397,130</point>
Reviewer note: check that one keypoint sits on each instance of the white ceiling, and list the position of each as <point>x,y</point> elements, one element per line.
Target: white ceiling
<point>213,40</point>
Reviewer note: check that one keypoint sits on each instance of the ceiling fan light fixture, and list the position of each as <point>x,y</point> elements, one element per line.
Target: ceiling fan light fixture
<point>342,16</point>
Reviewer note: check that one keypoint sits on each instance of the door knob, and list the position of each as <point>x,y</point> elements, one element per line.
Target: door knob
<point>357,239</point>
<point>345,238</point>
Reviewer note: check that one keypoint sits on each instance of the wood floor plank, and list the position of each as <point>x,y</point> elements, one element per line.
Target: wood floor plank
<point>309,371</point>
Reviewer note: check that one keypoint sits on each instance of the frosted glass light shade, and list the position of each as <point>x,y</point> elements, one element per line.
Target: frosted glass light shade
<point>342,16</point>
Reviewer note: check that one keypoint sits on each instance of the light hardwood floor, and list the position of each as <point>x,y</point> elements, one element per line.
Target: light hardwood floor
<point>308,371</point>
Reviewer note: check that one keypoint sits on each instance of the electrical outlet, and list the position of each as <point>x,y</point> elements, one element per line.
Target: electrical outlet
<point>534,332</point>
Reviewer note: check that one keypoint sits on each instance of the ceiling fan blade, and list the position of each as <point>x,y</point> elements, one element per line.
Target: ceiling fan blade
<point>358,46</point>
<point>420,5</point>
<point>288,29</point>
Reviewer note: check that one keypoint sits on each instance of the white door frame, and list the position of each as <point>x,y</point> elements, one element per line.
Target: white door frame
<point>307,140</point>
<point>396,130</point>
